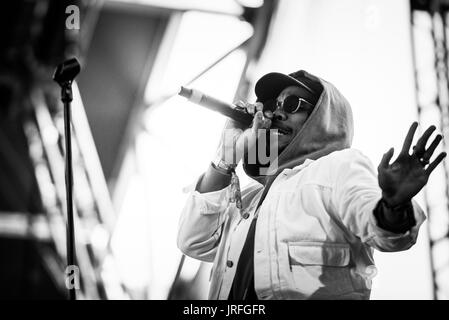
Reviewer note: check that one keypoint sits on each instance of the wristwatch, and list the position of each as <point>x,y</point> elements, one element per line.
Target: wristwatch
<point>222,166</point>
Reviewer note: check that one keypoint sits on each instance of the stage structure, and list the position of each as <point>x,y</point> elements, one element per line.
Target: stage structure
<point>33,215</point>
<point>429,31</point>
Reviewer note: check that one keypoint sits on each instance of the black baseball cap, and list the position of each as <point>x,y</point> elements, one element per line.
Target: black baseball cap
<point>270,85</point>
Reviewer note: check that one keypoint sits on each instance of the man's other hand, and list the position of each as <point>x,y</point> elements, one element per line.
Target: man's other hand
<point>405,177</point>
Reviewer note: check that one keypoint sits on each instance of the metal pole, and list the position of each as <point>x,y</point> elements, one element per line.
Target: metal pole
<point>66,97</point>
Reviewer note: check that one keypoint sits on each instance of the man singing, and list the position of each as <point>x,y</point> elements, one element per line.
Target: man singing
<point>308,227</point>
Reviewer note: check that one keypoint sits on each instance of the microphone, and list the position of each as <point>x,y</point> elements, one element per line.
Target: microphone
<point>66,71</point>
<point>224,108</point>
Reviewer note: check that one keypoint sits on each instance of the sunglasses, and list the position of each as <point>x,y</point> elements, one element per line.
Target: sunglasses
<point>291,104</point>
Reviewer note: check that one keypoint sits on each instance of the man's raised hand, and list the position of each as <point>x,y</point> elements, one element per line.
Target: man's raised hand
<point>409,173</point>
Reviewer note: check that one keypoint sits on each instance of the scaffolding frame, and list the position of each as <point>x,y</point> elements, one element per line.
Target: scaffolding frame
<point>430,49</point>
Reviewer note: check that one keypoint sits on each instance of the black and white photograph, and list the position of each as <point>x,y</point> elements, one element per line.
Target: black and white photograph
<point>224,153</point>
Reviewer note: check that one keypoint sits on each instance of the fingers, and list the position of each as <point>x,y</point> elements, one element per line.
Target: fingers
<point>385,162</point>
<point>435,163</point>
<point>254,108</point>
<point>267,123</point>
<point>249,107</point>
<point>428,154</point>
<point>241,105</point>
<point>268,114</point>
<point>258,106</point>
<point>409,138</point>
<point>420,147</point>
<point>257,122</point>
<point>260,122</point>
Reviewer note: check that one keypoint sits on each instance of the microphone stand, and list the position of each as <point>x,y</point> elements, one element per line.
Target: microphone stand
<point>66,98</point>
<point>64,75</point>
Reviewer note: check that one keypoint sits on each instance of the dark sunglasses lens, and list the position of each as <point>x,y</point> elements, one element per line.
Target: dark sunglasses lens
<point>269,105</point>
<point>290,104</point>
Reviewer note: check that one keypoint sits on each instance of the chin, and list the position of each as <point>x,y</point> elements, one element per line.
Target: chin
<point>281,148</point>
<point>283,142</point>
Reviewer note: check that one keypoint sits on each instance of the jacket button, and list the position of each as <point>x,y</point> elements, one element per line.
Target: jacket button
<point>229,263</point>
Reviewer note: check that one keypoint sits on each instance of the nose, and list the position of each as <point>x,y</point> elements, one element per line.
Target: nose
<point>279,114</point>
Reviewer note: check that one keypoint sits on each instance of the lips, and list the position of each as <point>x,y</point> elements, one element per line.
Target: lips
<point>280,132</point>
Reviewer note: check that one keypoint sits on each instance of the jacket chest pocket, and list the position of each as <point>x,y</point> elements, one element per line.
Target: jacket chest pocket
<point>320,270</point>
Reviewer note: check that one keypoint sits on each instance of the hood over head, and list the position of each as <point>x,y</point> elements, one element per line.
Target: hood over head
<point>327,129</point>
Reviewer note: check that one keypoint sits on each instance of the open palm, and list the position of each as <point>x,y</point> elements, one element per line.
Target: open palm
<point>407,175</point>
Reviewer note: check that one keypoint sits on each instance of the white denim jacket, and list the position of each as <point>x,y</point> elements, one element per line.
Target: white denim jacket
<point>315,231</point>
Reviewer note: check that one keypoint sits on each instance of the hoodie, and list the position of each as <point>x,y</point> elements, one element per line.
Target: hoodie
<point>329,128</point>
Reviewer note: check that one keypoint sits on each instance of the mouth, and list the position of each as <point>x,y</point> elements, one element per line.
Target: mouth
<point>280,132</point>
